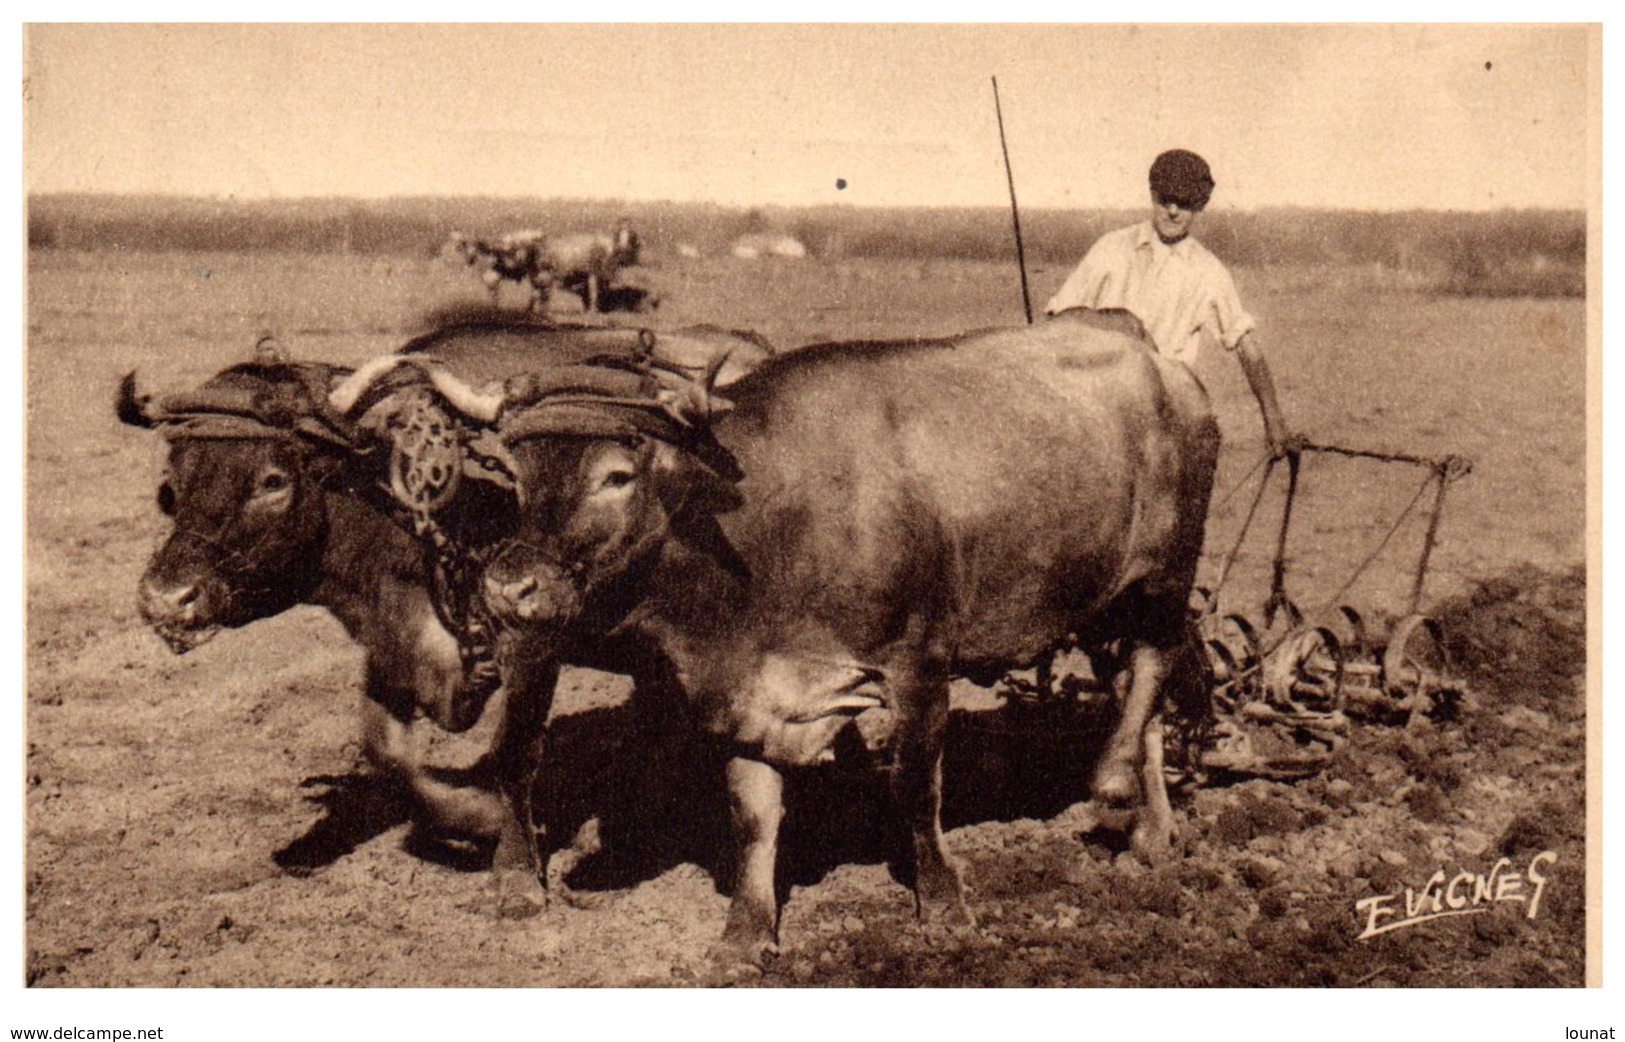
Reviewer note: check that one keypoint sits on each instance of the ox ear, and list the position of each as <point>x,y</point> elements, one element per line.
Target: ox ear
<point>685,483</point>
<point>132,408</point>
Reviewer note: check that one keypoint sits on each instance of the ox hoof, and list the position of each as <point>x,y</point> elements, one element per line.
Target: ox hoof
<point>1090,817</point>
<point>1152,842</point>
<point>460,813</point>
<point>735,959</point>
<point>944,905</point>
<point>516,907</point>
<point>747,943</point>
<point>587,846</point>
<point>513,895</point>
<point>1116,786</point>
<point>509,906</point>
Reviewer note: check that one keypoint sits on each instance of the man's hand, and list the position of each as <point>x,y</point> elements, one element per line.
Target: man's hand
<point>1283,445</point>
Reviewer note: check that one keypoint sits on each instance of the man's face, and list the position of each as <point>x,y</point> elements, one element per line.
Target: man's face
<point>1172,219</point>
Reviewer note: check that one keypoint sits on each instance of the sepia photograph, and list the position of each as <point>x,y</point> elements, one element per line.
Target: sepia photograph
<point>806,506</point>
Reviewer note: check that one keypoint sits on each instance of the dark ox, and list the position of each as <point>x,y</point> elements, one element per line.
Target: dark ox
<point>516,259</point>
<point>904,513</point>
<point>274,505</point>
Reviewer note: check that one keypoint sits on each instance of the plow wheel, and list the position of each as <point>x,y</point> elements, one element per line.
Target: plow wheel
<point>1233,653</point>
<point>1304,674</point>
<point>1240,638</point>
<point>1349,626</point>
<point>1414,665</point>
<point>1227,675</point>
<point>1279,714</point>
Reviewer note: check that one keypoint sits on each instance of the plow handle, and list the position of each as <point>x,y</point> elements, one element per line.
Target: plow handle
<point>1278,597</point>
<point>1451,467</point>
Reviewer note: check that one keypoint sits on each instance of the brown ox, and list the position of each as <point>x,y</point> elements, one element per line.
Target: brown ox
<point>587,263</point>
<point>583,263</point>
<point>869,521</point>
<point>276,502</point>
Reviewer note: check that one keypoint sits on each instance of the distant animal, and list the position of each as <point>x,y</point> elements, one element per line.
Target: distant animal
<point>583,263</point>
<point>754,245</point>
<point>516,258</point>
<point>869,521</point>
<point>276,499</point>
<point>587,263</point>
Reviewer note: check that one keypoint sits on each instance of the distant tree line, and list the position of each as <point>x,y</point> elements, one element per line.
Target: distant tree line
<point>1501,253</point>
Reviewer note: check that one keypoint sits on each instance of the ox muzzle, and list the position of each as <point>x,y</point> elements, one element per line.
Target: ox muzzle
<point>523,589</point>
<point>180,612</point>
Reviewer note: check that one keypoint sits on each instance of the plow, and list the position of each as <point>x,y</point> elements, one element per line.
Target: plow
<point>1287,684</point>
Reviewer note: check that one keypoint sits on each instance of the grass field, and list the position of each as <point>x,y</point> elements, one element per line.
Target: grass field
<point>161,789</point>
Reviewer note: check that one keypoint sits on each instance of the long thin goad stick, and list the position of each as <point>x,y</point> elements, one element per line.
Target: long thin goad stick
<point>1015,212</point>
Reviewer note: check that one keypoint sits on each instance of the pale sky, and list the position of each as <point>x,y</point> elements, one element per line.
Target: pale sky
<point>1374,116</point>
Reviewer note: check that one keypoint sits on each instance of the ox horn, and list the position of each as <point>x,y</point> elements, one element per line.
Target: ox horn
<point>134,409</point>
<point>698,402</point>
<point>715,404</point>
<point>349,390</point>
<point>471,402</point>
<point>484,406</point>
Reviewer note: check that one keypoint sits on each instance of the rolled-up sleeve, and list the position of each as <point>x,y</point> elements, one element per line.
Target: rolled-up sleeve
<point>1225,319</point>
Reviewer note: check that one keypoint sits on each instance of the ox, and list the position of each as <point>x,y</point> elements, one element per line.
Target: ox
<point>515,258</point>
<point>869,521</point>
<point>584,263</point>
<point>277,500</point>
<point>587,263</point>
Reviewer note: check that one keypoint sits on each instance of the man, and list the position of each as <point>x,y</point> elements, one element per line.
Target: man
<point>1179,291</point>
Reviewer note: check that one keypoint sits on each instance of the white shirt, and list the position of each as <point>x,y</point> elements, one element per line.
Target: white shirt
<point>1180,293</point>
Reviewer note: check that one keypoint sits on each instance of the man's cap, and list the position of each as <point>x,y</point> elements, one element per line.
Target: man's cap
<point>1182,177</point>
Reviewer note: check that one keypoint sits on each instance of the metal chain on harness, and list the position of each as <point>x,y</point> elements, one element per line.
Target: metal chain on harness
<point>426,463</point>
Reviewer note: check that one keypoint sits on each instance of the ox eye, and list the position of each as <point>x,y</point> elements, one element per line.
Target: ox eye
<point>166,499</point>
<point>272,482</point>
<point>618,479</point>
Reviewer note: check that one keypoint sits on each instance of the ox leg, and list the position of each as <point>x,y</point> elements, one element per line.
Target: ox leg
<point>386,731</point>
<point>1187,693</point>
<point>387,741</point>
<point>756,799</point>
<point>1118,779</point>
<point>519,862</point>
<point>594,293</point>
<point>1153,832</point>
<point>919,733</point>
